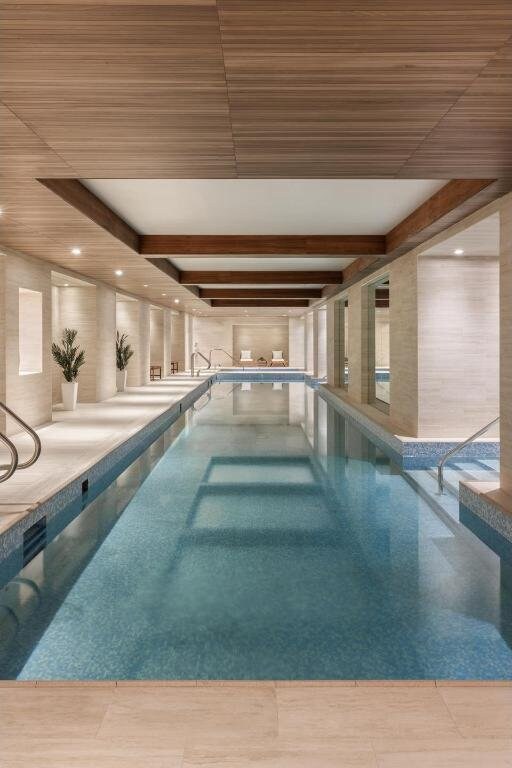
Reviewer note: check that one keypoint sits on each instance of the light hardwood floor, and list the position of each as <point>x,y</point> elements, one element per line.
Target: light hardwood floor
<point>272,725</point>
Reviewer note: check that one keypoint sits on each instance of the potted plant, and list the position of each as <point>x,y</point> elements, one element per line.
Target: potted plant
<point>70,358</point>
<point>123,355</point>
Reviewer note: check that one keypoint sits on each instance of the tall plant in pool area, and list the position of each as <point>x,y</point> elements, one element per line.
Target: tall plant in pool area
<point>70,358</point>
<point>123,354</point>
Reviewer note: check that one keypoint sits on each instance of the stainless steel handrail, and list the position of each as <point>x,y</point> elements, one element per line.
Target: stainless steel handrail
<point>35,437</point>
<point>456,449</point>
<point>192,356</point>
<point>12,467</point>
<point>220,349</point>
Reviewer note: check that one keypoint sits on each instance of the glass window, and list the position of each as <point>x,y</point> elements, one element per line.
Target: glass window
<point>379,362</point>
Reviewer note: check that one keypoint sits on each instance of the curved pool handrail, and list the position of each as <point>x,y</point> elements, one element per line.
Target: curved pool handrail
<point>10,468</point>
<point>35,437</point>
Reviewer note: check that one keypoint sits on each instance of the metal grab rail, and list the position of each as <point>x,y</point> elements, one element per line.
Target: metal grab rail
<point>12,467</point>
<point>220,349</point>
<point>456,449</point>
<point>192,356</point>
<point>35,437</point>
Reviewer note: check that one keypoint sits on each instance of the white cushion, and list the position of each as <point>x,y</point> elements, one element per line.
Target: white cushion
<point>277,354</point>
<point>245,354</point>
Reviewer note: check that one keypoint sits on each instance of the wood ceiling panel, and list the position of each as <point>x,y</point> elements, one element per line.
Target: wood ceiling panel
<point>40,224</point>
<point>347,89</point>
<point>24,153</point>
<point>121,90</point>
<point>477,132</point>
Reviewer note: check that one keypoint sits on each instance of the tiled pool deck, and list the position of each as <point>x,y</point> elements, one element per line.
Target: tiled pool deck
<point>83,444</point>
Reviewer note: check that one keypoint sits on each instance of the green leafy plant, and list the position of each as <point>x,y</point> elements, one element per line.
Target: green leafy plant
<point>123,351</point>
<point>68,356</point>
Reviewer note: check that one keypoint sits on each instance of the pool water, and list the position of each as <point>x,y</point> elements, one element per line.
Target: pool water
<point>263,537</point>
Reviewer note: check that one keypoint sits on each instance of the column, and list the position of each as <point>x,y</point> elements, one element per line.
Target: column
<point>506,347</point>
<point>167,342</point>
<point>296,342</point>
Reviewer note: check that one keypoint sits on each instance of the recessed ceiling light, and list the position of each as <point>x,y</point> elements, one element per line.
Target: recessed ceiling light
<point>176,301</point>
<point>164,294</point>
<point>459,251</point>
<point>66,285</point>
<point>119,272</point>
<point>76,251</point>
<point>145,285</point>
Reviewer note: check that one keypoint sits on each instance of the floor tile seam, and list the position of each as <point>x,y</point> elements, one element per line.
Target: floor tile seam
<point>439,693</point>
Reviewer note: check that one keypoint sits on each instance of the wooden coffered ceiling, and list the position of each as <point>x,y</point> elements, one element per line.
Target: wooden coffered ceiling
<point>236,89</point>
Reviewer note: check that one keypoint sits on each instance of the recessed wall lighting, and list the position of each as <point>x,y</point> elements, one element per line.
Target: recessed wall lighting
<point>119,272</point>
<point>459,251</point>
<point>176,301</point>
<point>66,285</point>
<point>76,251</point>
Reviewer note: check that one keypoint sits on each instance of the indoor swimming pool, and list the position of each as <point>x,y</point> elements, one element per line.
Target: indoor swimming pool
<point>262,536</point>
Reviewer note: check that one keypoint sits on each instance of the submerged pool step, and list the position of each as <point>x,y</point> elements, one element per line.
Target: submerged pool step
<point>263,506</point>
<point>261,470</point>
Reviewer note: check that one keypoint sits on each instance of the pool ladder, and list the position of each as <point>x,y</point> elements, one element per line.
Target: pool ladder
<point>8,470</point>
<point>456,449</point>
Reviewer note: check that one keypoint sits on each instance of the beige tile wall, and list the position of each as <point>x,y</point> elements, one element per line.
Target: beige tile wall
<point>321,345</point>
<point>458,344</point>
<point>91,310</point>
<point>260,339</point>
<point>178,339</point>
<point>443,337</point>
<point>105,342</point>
<point>310,342</point>
<point>167,342</point>
<point>260,334</point>
<point>157,352</point>
<point>506,347</point>
<point>297,342</point>
<point>133,318</point>
<point>403,345</point>
<point>358,343</point>
<point>28,395</point>
<point>75,307</point>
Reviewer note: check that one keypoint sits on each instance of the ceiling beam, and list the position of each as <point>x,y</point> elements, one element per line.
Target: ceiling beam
<point>261,245</point>
<point>260,303</point>
<point>260,293</point>
<point>73,192</point>
<point>266,277</point>
<point>171,271</point>
<point>455,201</point>
<point>451,197</point>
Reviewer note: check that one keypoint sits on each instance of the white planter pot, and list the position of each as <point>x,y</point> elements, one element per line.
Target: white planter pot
<point>121,380</point>
<point>69,394</point>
